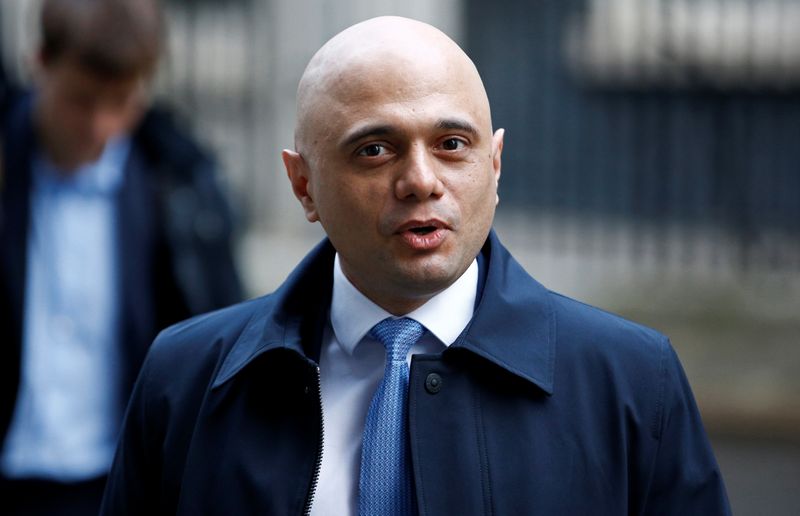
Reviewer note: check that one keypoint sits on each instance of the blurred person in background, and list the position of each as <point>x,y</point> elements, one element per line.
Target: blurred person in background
<point>111,228</point>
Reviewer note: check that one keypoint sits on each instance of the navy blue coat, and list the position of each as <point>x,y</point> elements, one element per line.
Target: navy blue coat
<point>546,406</point>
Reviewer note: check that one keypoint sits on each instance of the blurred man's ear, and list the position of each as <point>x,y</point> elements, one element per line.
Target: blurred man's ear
<point>297,170</point>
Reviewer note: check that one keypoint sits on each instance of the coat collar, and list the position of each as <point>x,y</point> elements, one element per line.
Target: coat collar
<point>281,319</point>
<point>292,318</point>
<point>525,346</point>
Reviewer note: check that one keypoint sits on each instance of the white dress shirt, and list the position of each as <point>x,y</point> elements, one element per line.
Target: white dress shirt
<point>351,366</point>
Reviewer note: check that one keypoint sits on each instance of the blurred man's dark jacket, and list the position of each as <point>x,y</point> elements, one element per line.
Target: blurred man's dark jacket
<point>5,91</point>
<point>174,243</point>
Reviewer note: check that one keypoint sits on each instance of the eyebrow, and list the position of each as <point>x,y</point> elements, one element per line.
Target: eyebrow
<point>457,124</point>
<point>369,130</point>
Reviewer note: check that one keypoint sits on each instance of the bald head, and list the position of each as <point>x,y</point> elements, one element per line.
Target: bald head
<point>380,56</point>
<point>396,158</point>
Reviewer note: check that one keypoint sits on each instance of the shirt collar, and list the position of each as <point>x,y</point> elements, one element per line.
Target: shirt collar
<point>445,315</point>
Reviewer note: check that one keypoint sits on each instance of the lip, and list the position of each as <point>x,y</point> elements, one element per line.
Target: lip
<point>423,241</point>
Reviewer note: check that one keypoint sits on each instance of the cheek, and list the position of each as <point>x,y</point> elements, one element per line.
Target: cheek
<point>476,191</point>
<point>74,126</point>
<point>342,204</point>
<point>74,119</point>
<point>60,109</point>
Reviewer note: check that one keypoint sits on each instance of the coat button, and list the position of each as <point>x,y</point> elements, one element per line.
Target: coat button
<point>433,383</point>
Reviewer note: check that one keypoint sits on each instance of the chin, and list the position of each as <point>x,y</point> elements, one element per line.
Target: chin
<point>79,159</point>
<point>431,276</point>
<point>93,155</point>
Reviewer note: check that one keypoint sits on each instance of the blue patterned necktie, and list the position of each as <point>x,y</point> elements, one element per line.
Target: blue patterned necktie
<point>385,483</point>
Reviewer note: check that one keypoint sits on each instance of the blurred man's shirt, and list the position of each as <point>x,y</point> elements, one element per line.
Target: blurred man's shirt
<point>65,422</point>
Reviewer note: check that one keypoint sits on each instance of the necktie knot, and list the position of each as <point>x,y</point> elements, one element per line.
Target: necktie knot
<point>397,336</point>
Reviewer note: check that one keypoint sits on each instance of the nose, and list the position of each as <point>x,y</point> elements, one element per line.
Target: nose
<point>418,177</point>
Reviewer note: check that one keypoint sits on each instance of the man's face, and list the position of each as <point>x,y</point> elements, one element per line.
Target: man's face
<point>402,174</point>
<point>79,110</point>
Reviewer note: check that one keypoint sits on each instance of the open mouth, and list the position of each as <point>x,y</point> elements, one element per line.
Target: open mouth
<point>423,235</point>
<point>423,230</point>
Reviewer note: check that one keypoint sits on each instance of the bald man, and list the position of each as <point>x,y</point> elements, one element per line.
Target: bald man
<point>499,397</point>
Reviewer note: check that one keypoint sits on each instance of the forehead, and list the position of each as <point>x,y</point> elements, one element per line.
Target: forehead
<point>395,90</point>
<point>401,73</point>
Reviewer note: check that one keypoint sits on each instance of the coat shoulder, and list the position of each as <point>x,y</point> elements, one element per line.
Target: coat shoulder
<point>623,366</point>
<point>189,352</point>
<point>615,359</point>
<point>584,328</point>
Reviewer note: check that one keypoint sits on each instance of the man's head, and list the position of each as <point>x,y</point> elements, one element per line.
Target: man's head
<point>395,157</point>
<point>94,61</point>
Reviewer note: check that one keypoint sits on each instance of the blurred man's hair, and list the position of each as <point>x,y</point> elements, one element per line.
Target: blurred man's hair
<point>113,38</point>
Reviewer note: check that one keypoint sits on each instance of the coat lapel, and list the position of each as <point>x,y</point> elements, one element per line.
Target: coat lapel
<point>525,348</point>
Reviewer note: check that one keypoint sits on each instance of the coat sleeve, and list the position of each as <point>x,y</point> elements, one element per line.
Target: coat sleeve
<point>135,478</point>
<point>199,222</point>
<point>686,478</point>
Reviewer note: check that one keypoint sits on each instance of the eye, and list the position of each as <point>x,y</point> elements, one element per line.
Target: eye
<point>453,144</point>
<point>372,150</point>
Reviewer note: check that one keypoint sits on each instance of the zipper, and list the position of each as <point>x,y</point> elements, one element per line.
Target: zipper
<point>315,477</point>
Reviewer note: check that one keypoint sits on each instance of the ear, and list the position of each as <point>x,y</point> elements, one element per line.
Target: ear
<point>298,173</point>
<point>497,152</point>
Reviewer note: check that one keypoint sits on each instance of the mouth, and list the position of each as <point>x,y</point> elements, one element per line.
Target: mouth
<point>423,235</point>
<point>423,230</point>
<point>422,227</point>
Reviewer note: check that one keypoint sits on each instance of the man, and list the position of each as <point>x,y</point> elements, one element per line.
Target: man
<point>518,400</point>
<point>111,228</point>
